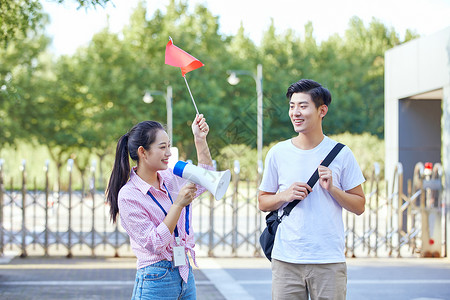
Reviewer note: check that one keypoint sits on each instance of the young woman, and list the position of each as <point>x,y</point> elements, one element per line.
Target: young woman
<point>155,211</point>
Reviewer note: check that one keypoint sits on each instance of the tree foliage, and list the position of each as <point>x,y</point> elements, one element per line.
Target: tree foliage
<point>18,17</point>
<point>87,3</point>
<point>81,104</point>
<point>20,82</point>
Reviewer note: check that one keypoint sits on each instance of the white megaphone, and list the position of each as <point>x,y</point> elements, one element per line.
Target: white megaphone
<point>214,181</point>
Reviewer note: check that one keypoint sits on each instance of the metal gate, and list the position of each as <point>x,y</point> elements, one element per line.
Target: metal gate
<point>72,223</point>
<point>395,222</point>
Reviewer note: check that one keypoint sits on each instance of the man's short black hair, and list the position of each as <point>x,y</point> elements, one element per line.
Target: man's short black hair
<point>318,93</point>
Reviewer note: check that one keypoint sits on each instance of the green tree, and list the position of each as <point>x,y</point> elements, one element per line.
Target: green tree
<point>108,79</point>
<point>55,117</point>
<point>95,95</point>
<point>286,58</point>
<point>196,33</point>
<point>351,67</point>
<point>18,17</point>
<point>20,68</point>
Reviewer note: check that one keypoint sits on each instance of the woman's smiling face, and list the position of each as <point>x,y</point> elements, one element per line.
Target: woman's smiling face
<point>157,157</point>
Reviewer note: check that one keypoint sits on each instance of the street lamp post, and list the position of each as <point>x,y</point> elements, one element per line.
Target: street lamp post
<point>258,77</point>
<point>148,98</point>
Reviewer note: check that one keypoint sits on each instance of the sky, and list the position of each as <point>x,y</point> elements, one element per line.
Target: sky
<point>71,28</point>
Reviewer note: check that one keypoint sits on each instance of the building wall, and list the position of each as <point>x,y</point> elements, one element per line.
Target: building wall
<point>411,69</point>
<point>416,68</point>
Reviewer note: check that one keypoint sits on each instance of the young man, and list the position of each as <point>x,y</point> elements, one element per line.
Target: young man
<point>308,254</point>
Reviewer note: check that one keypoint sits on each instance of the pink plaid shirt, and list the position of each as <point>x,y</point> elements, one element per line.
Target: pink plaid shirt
<point>142,219</point>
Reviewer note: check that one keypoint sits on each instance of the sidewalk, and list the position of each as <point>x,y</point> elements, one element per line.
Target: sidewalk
<point>217,278</point>
<point>79,278</point>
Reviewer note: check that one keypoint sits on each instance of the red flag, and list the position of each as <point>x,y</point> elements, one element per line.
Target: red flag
<point>179,58</point>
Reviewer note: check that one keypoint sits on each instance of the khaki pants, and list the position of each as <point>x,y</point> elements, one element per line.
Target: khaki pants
<point>319,281</point>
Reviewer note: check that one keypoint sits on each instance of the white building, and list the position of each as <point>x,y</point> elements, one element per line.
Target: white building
<point>417,107</point>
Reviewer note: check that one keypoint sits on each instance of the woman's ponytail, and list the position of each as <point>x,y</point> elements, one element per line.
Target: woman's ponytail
<point>119,176</point>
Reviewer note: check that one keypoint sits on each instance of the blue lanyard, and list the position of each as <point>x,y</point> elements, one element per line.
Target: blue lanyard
<point>165,213</point>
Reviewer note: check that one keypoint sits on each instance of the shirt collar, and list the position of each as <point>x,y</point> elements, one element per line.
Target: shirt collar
<point>142,185</point>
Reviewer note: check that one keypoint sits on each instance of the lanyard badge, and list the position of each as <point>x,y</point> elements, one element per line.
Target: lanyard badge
<point>179,256</point>
<point>179,252</point>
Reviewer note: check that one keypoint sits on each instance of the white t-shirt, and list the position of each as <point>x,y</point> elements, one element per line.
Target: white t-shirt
<point>313,233</point>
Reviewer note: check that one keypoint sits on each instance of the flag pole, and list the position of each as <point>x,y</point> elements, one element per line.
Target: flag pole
<point>193,101</point>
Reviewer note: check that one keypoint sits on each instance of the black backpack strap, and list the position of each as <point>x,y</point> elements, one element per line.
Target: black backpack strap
<point>315,176</point>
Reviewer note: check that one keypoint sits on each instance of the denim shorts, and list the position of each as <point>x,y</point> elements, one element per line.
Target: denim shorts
<point>162,281</point>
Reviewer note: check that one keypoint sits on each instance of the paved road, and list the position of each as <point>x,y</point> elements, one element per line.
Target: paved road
<point>219,278</point>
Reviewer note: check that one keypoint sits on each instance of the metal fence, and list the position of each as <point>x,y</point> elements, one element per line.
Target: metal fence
<point>48,222</point>
<point>397,219</point>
